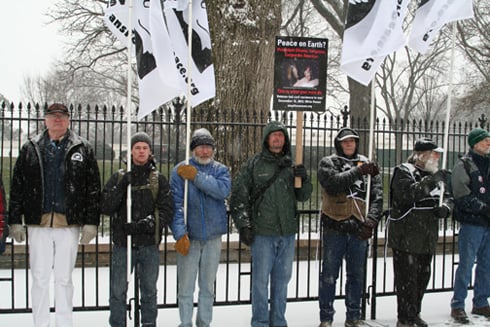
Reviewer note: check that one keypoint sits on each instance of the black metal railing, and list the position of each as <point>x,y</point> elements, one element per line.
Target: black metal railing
<point>236,139</point>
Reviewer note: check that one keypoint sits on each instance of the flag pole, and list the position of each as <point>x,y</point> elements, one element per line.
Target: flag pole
<point>371,140</point>
<point>189,95</point>
<point>128,139</point>
<point>448,108</point>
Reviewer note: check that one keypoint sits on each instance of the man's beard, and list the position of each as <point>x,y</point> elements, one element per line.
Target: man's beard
<point>203,161</point>
<point>431,165</point>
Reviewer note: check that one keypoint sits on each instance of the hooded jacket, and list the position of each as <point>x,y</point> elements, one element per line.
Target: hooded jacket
<point>341,180</point>
<point>273,213</point>
<point>206,209</point>
<point>81,183</point>
<point>144,205</point>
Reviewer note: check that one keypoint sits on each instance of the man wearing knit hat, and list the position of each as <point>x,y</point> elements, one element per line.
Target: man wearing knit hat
<point>151,211</point>
<point>198,234</point>
<point>471,190</point>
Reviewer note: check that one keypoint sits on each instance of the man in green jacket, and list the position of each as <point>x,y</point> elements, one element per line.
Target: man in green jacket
<point>263,206</point>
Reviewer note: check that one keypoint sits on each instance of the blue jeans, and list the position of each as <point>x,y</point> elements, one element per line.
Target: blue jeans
<point>272,257</point>
<point>147,260</point>
<point>337,246</point>
<point>202,260</point>
<point>473,242</point>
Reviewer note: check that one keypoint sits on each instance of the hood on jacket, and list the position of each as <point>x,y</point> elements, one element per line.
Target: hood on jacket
<point>343,134</point>
<point>272,127</point>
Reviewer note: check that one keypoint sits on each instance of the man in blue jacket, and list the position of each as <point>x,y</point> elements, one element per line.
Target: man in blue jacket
<point>198,233</point>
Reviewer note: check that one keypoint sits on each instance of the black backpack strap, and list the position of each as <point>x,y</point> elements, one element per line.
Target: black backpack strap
<point>261,190</point>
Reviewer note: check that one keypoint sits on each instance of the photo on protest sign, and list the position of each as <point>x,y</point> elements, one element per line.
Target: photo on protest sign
<point>300,73</point>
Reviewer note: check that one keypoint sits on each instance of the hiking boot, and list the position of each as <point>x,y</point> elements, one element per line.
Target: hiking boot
<point>483,311</point>
<point>459,315</point>
<point>325,324</point>
<point>400,323</point>
<point>353,323</point>
<point>419,322</point>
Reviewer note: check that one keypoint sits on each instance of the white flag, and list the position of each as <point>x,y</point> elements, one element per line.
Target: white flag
<point>373,31</point>
<point>202,69</point>
<point>431,15</point>
<point>162,75</point>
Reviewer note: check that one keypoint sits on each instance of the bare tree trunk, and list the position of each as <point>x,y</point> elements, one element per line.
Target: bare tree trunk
<point>243,36</point>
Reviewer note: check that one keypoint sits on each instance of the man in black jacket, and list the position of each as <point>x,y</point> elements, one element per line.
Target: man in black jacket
<point>151,211</point>
<point>346,226</point>
<point>56,187</point>
<point>413,226</point>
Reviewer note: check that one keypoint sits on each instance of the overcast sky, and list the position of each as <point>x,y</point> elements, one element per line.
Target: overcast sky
<point>28,45</point>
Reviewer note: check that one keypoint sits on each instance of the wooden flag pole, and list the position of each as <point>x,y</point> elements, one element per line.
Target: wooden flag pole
<point>299,145</point>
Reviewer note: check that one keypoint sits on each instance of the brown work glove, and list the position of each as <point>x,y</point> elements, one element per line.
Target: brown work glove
<point>182,245</point>
<point>369,168</point>
<point>366,229</point>
<point>187,172</point>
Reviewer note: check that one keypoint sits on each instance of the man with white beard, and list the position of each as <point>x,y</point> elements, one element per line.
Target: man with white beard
<point>413,226</point>
<point>198,234</point>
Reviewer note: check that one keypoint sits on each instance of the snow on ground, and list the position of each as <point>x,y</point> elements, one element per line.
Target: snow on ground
<point>299,314</point>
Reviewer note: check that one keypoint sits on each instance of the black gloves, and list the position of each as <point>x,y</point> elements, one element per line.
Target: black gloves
<point>442,175</point>
<point>369,168</point>
<point>130,228</point>
<point>366,230</point>
<point>125,181</point>
<point>300,171</point>
<point>247,235</point>
<point>441,211</point>
<point>143,226</point>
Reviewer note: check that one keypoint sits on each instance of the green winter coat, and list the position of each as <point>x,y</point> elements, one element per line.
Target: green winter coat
<point>273,213</point>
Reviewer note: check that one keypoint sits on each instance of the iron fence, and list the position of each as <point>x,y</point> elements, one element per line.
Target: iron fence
<point>237,138</point>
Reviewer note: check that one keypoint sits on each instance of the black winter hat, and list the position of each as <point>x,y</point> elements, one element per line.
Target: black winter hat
<point>201,137</point>
<point>140,137</point>
<point>426,144</point>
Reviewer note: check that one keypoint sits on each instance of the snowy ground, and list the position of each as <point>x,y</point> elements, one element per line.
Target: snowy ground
<point>302,314</point>
<point>299,314</point>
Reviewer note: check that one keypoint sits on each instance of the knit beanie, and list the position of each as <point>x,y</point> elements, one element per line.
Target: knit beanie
<point>201,137</point>
<point>140,137</point>
<point>476,135</point>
